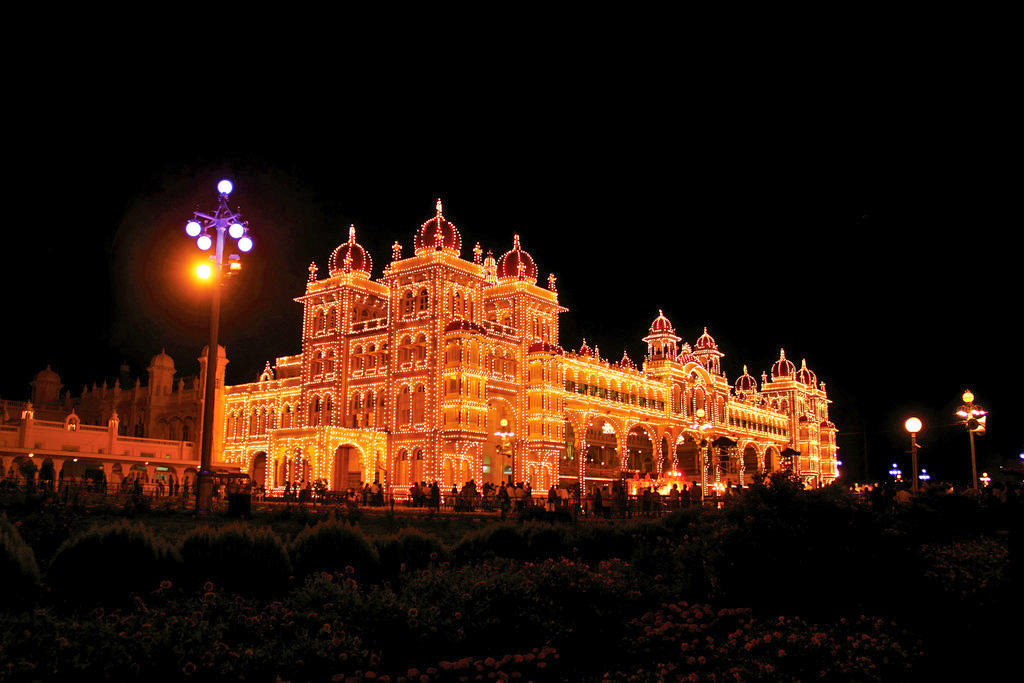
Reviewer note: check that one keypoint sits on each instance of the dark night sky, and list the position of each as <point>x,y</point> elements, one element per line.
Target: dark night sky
<point>854,228</point>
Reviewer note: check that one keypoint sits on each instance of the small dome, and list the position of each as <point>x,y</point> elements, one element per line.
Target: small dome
<point>463,325</point>
<point>783,369</point>
<point>626,361</point>
<point>161,360</point>
<point>805,376</point>
<point>706,341</point>
<point>661,324</point>
<point>350,257</point>
<point>545,347</point>
<point>517,264</point>
<point>746,384</point>
<point>437,234</point>
<point>48,375</point>
<point>585,350</point>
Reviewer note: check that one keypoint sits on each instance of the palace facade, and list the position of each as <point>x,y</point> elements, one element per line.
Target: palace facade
<point>446,369</point>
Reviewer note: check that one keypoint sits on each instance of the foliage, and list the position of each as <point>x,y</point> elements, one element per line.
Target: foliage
<point>409,550</point>
<point>105,565</point>
<point>330,546</point>
<point>251,562</point>
<point>684,642</point>
<point>17,566</point>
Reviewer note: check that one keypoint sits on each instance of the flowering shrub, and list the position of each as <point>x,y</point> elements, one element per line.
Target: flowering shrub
<point>684,642</point>
<point>966,570</point>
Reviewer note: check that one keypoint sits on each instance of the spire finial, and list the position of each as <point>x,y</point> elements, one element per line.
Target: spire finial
<point>515,243</point>
<point>782,354</point>
<point>438,206</point>
<point>352,234</point>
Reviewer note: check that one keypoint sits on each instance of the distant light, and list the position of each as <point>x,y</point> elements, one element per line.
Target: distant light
<point>913,425</point>
<point>236,230</point>
<point>192,228</point>
<point>225,187</point>
<point>204,271</point>
<point>245,244</point>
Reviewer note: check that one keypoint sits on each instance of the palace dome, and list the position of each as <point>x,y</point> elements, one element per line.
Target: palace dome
<point>706,341</point>
<point>436,234</point>
<point>805,376</point>
<point>517,264</point>
<point>350,257</point>
<point>661,324</point>
<point>783,368</point>
<point>746,384</point>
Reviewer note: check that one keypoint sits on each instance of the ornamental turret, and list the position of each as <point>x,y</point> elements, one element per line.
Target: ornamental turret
<point>662,340</point>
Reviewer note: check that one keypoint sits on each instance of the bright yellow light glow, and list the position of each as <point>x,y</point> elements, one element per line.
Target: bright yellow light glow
<point>968,397</point>
<point>913,425</point>
<point>204,271</point>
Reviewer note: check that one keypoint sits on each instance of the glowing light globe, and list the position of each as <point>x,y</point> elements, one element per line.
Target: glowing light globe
<point>968,397</point>
<point>225,187</point>
<point>913,425</point>
<point>204,242</point>
<point>192,228</point>
<point>204,271</point>
<point>236,230</point>
<point>245,244</point>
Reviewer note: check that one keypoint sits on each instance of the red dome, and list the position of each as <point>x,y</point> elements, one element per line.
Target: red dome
<point>458,325</point>
<point>545,347</point>
<point>805,376</point>
<point>661,324</point>
<point>517,264</point>
<point>585,350</point>
<point>627,362</point>
<point>706,341</point>
<point>350,257</point>
<point>746,384</point>
<point>437,233</point>
<point>685,354</point>
<point>782,367</point>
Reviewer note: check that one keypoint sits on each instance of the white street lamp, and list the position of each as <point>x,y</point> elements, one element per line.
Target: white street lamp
<point>209,231</point>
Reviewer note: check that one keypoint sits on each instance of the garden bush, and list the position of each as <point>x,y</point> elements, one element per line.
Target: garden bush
<point>17,566</point>
<point>331,546</point>
<point>251,562</point>
<point>409,550</point>
<point>106,565</point>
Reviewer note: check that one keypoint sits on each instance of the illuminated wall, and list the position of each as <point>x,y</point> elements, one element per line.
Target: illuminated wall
<point>445,369</point>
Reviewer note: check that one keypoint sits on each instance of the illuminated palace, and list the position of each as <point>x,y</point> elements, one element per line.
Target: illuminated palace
<point>448,369</point>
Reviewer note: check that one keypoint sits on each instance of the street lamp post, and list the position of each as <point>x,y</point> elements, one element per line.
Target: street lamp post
<point>209,231</point>
<point>913,425</point>
<point>973,417</point>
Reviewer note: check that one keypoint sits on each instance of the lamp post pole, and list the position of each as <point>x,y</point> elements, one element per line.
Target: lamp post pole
<point>974,419</point>
<point>209,229</point>
<point>913,425</point>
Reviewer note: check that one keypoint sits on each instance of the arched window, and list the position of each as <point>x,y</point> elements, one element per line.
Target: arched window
<point>408,302</point>
<point>286,417</point>
<point>421,303</point>
<point>329,364</point>
<point>327,410</point>
<point>332,318</point>
<point>314,411</point>
<point>318,321</point>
